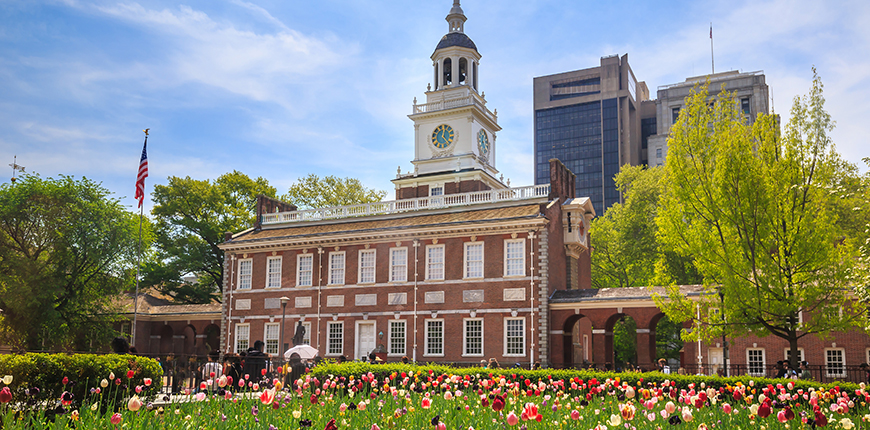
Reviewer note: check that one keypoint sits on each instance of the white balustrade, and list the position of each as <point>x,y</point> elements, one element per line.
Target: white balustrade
<point>408,205</point>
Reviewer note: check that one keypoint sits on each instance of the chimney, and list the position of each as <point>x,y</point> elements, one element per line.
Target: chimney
<point>562,181</point>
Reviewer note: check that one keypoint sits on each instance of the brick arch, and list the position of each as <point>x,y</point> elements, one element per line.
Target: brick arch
<point>568,341</point>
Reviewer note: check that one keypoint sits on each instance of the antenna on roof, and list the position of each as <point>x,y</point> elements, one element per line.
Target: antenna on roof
<point>15,166</point>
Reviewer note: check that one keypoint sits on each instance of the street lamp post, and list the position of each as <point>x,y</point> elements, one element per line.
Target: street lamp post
<point>284,301</point>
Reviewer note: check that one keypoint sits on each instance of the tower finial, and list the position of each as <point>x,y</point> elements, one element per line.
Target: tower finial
<point>456,18</point>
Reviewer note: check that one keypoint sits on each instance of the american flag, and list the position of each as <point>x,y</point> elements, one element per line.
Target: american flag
<point>143,173</point>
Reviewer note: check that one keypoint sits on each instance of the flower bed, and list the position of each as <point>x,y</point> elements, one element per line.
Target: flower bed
<point>423,398</point>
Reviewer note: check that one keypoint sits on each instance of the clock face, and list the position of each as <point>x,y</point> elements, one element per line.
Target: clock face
<point>442,137</point>
<point>483,143</point>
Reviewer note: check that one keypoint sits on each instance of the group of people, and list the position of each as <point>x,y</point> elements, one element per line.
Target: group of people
<point>784,369</point>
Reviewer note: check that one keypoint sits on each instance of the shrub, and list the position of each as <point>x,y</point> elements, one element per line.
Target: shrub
<point>632,378</point>
<point>39,378</point>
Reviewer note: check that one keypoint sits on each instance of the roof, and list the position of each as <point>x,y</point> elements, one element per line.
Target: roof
<point>458,216</point>
<point>151,305</point>
<point>627,293</point>
<point>456,39</point>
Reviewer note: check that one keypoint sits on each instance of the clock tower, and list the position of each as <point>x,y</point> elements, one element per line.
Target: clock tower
<point>454,131</point>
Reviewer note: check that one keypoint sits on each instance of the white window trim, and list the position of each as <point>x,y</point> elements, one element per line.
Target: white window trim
<point>307,325</point>
<point>867,355</point>
<point>426,337</point>
<point>359,277</point>
<point>299,258</point>
<point>269,259</point>
<point>343,268</point>
<point>827,370</point>
<point>465,247</point>
<point>390,338</point>
<point>438,185</point>
<point>404,248</point>
<point>522,254</point>
<point>763,361</point>
<point>239,274</point>
<point>266,339</point>
<point>443,262</point>
<point>505,339</point>
<point>236,335</point>
<point>465,338</point>
<point>328,340</point>
<point>801,351</point>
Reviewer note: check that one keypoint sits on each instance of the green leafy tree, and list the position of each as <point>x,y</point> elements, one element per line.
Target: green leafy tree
<point>755,209</point>
<point>312,192</point>
<point>191,217</point>
<point>626,249</point>
<point>625,342</point>
<point>65,246</point>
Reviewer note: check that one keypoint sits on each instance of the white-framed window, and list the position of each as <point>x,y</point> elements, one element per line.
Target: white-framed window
<point>515,257</point>
<point>336,268</point>
<point>245,268</point>
<point>243,336</point>
<point>398,264</point>
<point>306,338</point>
<point>273,271</point>
<point>835,362</point>
<point>675,115</point>
<point>271,332</point>
<point>787,354</point>
<point>397,337</point>
<point>334,337</point>
<point>868,356</point>
<point>586,347</point>
<point>515,336</point>
<point>474,260</point>
<point>755,361</point>
<point>434,337</point>
<point>367,259</point>
<point>436,190</point>
<point>472,337</point>
<point>304,270</point>
<point>435,262</point>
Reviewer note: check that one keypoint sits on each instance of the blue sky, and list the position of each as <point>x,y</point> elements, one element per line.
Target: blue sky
<point>280,89</point>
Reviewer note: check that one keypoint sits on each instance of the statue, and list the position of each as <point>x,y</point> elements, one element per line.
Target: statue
<point>300,334</point>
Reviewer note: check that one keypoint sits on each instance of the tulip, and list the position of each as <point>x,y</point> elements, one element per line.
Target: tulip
<point>129,374</point>
<point>116,419</point>
<point>726,408</point>
<point>575,415</point>
<point>426,403</point>
<point>7,379</point>
<point>222,381</point>
<point>147,382</point>
<point>614,420</point>
<point>512,419</point>
<point>134,404</point>
<point>670,407</point>
<point>200,396</point>
<point>687,415</point>
<point>5,395</point>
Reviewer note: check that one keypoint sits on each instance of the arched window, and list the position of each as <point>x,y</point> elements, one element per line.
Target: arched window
<point>463,71</point>
<point>447,72</point>
<point>474,75</point>
<point>436,75</point>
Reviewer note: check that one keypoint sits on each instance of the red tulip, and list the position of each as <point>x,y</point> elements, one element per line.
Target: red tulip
<point>5,395</point>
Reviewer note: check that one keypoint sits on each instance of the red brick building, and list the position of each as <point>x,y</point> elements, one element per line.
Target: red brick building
<point>460,267</point>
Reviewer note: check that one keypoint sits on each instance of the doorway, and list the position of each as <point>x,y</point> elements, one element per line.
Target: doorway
<point>365,338</point>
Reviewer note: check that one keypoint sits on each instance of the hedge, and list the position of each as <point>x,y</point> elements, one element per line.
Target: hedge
<point>634,378</point>
<point>39,378</point>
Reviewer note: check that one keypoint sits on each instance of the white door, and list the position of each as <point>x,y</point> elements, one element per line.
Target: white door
<point>716,357</point>
<point>365,339</point>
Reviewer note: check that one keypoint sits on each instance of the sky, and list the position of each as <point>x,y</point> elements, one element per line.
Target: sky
<point>280,89</point>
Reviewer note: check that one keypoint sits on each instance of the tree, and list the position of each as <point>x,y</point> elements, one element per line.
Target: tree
<point>755,209</point>
<point>65,246</point>
<point>312,192</point>
<point>624,342</point>
<point>191,217</point>
<point>626,249</point>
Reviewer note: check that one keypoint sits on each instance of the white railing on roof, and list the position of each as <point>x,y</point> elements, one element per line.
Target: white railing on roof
<point>408,205</point>
<point>445,104</point>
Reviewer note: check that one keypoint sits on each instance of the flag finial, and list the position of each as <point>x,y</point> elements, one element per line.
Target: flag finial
<point>146,131</point>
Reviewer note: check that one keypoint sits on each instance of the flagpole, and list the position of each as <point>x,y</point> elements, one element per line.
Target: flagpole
<point>139,253</point>
<point>712,58</point>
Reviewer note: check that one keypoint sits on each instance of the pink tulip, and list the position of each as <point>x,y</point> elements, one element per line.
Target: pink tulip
<point>575,415</point>
<point>116,419</point>
<point>726,408</point>
<point>375,427</point>
<point>512,419</point>
<point>670,407</point>
<point>147,382</point>
<point>441,426</point>
<point>781,416</point>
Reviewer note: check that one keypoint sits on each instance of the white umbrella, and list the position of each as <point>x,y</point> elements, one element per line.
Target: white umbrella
<point>305,352</point>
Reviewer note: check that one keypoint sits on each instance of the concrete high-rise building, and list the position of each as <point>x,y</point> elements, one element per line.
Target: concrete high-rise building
<point>590,120</point>
<point>749,90</point>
